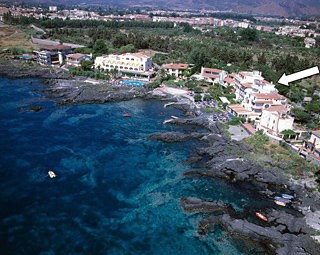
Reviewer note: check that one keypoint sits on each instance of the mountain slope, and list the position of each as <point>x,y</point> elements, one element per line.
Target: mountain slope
<point>263,7</point>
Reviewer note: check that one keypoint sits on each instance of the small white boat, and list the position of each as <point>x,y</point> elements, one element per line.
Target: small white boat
<point>174,117</point>
<point>286,196</point>
<point>52,174</point>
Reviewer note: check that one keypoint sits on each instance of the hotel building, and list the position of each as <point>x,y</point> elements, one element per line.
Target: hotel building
<point>133,63</point>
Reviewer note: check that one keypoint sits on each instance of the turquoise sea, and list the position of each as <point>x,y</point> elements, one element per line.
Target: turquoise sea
<point>116,192</point>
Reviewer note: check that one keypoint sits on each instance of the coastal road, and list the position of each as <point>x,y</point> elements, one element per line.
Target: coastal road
<point>51,42</point>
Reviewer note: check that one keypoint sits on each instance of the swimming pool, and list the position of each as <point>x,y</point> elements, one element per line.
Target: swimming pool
<point>132,83</point>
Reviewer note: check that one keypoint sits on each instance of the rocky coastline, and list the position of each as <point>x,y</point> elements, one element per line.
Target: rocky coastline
<point>286,232</point>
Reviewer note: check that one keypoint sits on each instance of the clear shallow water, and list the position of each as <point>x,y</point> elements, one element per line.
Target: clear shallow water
<point>116,191</point>
<point>132,83</point>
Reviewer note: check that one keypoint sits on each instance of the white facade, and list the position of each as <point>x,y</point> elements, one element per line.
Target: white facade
<point>257,102</point>
<point>315,139</point>
<point>248,77</point>
<point>53,8</point>
<point>309,42</point>
<point>175,69</point>
<point>247,84</point>
<point>129,62</point>
<point>276,119</point>
<point>213,75</point>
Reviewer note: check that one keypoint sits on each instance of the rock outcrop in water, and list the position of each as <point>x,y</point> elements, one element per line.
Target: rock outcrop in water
<point>80,91</point>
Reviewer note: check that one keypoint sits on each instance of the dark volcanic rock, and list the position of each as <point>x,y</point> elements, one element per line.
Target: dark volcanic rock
<point>31,108</point>
<point>199,121</point>
<point>293,224</point>
<point>174,136</point>
<point>288,243</point>
<point>192,204</point>
<point>78,92</point>
<point>19,69</point>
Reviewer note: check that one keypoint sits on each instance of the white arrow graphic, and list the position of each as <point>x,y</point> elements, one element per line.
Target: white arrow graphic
<point>297,76</point>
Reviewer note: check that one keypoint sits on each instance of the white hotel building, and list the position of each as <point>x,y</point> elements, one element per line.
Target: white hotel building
<point>133,63</point>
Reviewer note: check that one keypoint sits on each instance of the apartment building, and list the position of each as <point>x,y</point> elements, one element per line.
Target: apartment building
<point>212,75</point>
<point>256,102</point>
<point>244,81</point>
<point>275,119</point>
<point>176,69</point>
<point>52,55</point>
<point>75,59</point>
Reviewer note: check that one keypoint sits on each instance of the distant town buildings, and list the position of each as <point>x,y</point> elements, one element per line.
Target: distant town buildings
<point>309,42</point>
<point>203,23</point>
<point>53,8</point>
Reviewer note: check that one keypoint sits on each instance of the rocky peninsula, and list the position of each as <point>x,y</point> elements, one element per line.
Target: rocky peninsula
<point>290,230</point>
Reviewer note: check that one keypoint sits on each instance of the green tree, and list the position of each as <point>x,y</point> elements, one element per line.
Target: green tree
<point>197,97</point>
<point>127,48</point>
<point>300,115</point>
<point>86,65</point>
<point>288,133</point>
<point>100,47</point>
<point>249,35</point>
<point>314,106</point>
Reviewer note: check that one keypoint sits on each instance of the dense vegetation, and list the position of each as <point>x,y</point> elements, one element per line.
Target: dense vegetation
<point>275,156</point>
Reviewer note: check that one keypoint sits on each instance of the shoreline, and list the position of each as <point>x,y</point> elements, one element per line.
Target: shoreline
<point>226,159</point>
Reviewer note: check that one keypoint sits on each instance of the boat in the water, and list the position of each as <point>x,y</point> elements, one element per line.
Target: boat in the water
<point>174,117</point>
<point>282,199</point>
<point>261,216</point>
<point>278,202</point>
<point>286,196</point>
<point>126,115</point>
<point>51,174</point>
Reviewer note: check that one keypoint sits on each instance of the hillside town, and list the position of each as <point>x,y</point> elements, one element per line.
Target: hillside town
<point>292,27</point>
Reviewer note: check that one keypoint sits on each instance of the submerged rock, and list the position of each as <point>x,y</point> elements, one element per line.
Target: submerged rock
<point>174,136</point>
<point>31,108</point>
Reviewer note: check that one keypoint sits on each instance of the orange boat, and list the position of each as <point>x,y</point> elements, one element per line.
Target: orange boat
<point>126,115</point>
<point>261,216</point>
<point>278,202</point>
